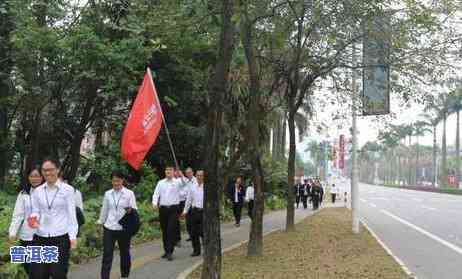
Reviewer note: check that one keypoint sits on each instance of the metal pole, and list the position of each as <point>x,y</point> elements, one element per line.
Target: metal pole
<point>163,119</point>
<point>354,169</point>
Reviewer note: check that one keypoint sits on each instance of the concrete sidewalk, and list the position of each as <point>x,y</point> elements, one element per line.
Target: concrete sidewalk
<point>146,262</point>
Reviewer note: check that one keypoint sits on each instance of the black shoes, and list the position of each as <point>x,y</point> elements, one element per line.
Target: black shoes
<point>189,239</point>
<point>195,254</point>
<point>168,257</point>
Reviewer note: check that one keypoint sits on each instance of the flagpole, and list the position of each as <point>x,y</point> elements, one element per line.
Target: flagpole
<point>163,119</point>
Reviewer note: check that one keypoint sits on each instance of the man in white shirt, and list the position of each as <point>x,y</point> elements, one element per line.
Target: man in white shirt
<point>195,205</point>
<point>166,197</point>
<point>249,198</point>
<point>188,182</point>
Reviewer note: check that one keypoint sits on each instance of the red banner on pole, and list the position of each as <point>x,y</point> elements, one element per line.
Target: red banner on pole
<point>143,125</point>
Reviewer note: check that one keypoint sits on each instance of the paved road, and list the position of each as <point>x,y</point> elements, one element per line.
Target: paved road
<point>423,229</point>
<point>146,263</point>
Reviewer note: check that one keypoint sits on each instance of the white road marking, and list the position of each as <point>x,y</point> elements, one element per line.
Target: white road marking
<point>429,208</point>
<point>388,250</point>
<point>424,232</point>
<point>417,200</point>
<point>383,199</point>
<point>363,200</point>
<point>373,205</point>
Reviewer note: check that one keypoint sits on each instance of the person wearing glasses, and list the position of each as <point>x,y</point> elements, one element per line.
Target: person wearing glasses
<point>116,202</point>
<point>22,211</point>
<point>54,218</point>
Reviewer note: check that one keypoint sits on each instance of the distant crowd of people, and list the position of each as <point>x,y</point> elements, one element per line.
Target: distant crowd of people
<point>311,191</point>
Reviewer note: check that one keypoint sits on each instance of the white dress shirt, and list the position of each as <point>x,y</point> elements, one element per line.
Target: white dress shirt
<point>55,210</point>
<point>78,199</point>
<point>236,193</point>
<point>249,193</point>
<point>114,204</point>
<point>167,192</point>
<point>187,184</point>
<point>195,198</point>
<point>22,210</point>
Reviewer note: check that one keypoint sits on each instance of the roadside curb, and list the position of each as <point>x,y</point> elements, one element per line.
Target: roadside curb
<point>389,252</point>
<point>188,271</point>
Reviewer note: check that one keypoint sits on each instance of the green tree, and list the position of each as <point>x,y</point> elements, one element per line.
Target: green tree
<point>455,106</point>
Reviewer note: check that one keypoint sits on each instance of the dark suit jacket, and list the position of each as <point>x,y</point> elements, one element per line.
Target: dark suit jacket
<point>130,222</point>
<point>232,192</point>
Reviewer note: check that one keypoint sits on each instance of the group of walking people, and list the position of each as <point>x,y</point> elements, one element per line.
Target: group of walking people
<point>310,191</point>
<point>47,213</point>
<point>237,196</point>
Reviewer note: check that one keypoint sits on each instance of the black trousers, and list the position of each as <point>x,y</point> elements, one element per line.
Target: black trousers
<point>123,241</point>
<point>297,200</point>
<point>27,266</point>
<point>52,270</point>
<point>250,208</point>
<point>189,223</point>
<point>237,211</point>
<point>197,228</point>
<point>178,228</point>
<point>315,202</point>
<point>305,201</point>
<point>168,225</point>
<point>334,196</point>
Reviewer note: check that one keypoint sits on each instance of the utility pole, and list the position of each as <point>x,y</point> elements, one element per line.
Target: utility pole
<point>354,160</point>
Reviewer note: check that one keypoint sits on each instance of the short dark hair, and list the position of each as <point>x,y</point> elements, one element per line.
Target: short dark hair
<point>117,173</point>
<point>170,167</point>
<point>53,161</point>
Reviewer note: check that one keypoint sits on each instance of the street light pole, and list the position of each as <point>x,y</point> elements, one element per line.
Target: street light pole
<point>354,159</point>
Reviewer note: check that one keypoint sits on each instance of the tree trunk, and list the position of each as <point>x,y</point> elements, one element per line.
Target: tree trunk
<point>458,150</point>
<point>6,27</point>
<point>444,163</point>
<point>211,268</point>
<point>277,127</point>
<point>290,219</point>
<point>282,147</point>
<point>434,157</point>
<point>254,119</point>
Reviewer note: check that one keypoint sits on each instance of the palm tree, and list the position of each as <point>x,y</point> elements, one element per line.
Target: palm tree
<point>455,106</point>
<point>433,119</point>
<point>390,140</point>
<point>420,128</point>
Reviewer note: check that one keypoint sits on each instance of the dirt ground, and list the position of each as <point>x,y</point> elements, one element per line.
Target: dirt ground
<point>322,247</point>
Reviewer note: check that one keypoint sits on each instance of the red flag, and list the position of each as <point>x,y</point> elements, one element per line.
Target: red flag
<point>143,125</point>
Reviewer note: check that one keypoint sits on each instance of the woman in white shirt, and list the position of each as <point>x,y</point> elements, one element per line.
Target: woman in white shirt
<point>116,203</point>
<point>54,217</point>
<point>249,198</point>
<point>23,209</point>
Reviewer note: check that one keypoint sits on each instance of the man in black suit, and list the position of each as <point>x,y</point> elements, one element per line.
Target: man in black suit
<point>236,196</point>
<point>305,192</point>
<point>298,190</point>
